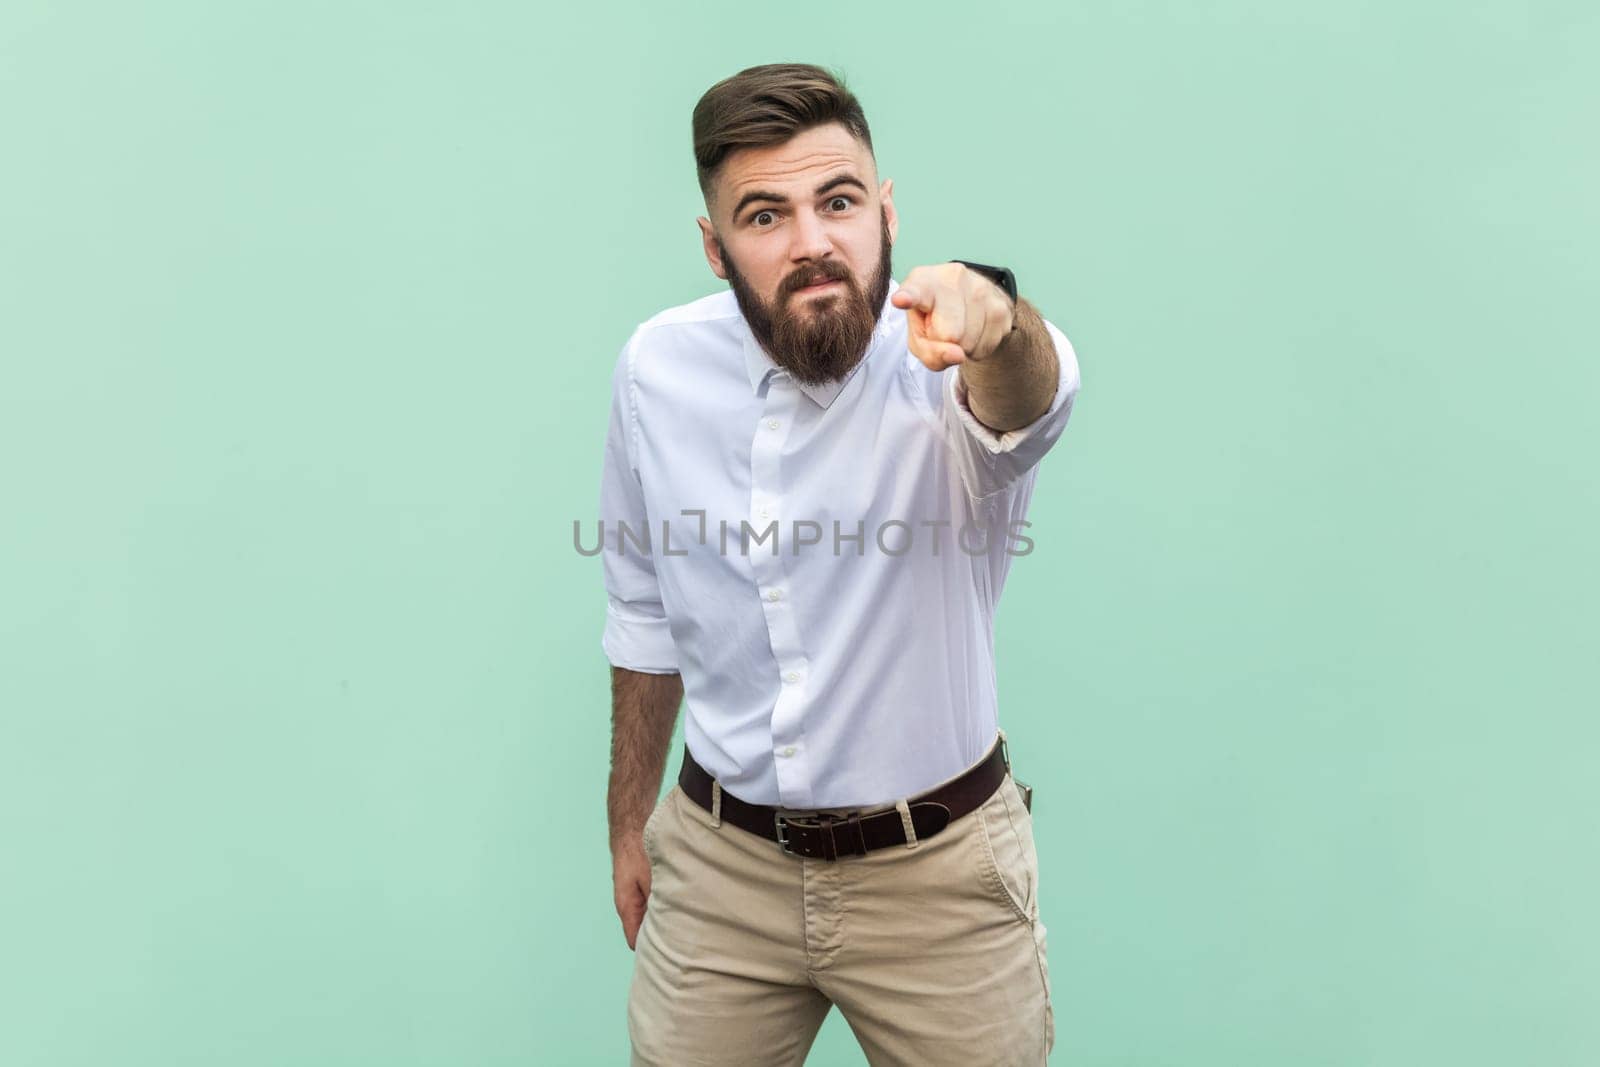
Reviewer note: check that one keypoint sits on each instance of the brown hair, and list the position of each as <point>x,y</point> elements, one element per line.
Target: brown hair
<point>767,105</point>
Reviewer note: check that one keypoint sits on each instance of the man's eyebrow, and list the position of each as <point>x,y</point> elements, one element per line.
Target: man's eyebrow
<point>757,195</point>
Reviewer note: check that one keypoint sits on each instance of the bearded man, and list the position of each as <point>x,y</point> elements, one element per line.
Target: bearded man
<point>844,828</point>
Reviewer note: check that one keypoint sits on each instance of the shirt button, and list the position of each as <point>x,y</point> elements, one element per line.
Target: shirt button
<point>792,676</point>
<point>774,595</point>
<point>764,512</point>
<point>789,751</point>
<point>772,424</point>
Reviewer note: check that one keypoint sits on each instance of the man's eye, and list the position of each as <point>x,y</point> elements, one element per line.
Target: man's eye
<point>756,218</point>
<point>845,199</point>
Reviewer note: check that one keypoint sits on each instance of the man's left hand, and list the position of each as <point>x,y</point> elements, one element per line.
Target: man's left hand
<point>953,314</point>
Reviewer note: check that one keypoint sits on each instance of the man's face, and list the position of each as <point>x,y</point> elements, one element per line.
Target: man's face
<point>806,211</point>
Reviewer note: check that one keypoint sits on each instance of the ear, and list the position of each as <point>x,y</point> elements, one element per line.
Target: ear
<point>708,240</point>
<point>890,217</point>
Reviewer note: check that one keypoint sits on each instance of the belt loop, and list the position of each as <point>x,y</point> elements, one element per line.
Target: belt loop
<point>1005,753</point>
<point>905,821</point>
<point>716,802</point>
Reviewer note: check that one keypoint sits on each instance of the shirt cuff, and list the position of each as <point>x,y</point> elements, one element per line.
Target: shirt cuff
<point>638,642</point>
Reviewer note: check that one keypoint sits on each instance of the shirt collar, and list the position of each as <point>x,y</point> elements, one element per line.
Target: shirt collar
<point>761,366</point>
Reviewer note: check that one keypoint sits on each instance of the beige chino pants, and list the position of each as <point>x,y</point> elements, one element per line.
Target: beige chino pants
<point>934,952</point>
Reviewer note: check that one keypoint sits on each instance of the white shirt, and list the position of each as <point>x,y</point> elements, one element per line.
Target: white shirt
<point>813,680</point>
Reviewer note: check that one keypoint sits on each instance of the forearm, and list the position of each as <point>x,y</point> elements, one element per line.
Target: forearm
<point>1017,382</point>
<point>644,708</point>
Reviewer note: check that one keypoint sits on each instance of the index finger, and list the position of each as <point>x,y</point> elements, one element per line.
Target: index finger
<point>920,299</point>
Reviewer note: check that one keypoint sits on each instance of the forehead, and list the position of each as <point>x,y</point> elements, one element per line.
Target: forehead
<point>793,166</point>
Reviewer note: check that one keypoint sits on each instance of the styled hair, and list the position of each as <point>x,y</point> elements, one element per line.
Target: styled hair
<point>767,105</point>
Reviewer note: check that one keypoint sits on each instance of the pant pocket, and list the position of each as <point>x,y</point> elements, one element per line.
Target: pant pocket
<point>1010,866</point>
<point>648,834</point>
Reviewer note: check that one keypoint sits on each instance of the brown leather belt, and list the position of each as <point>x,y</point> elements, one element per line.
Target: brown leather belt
<point>825,835</point>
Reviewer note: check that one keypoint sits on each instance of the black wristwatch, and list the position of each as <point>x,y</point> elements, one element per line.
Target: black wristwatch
<point>999,275</point>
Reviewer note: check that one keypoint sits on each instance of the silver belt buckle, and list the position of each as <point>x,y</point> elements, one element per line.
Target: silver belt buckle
<point>778,825</point>
<point>781,823</point>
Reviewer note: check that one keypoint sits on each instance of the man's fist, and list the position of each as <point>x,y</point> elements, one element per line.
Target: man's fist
<point>630,884</point>
<point>953,314</point>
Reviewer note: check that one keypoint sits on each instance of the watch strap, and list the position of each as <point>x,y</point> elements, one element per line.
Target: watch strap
<point>999,275</point>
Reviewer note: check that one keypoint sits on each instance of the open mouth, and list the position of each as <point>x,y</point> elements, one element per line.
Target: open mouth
<point>819,287</point>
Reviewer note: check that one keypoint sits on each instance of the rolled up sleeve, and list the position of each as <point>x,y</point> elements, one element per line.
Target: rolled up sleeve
<point>990,462</point>
<point>637,634</point>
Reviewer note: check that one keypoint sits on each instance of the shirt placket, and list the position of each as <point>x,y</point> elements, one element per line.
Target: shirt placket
<point>769,503</point>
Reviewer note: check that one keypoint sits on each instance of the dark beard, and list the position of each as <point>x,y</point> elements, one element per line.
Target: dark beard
<point>822,343</point>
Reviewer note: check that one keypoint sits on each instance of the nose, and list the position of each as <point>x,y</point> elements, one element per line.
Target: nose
<point>810,237</point>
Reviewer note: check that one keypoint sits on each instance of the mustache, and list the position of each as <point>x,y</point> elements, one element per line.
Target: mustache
<point>799,280</point>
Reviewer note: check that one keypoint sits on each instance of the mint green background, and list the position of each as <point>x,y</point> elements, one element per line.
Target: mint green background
<point>307,315</point>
